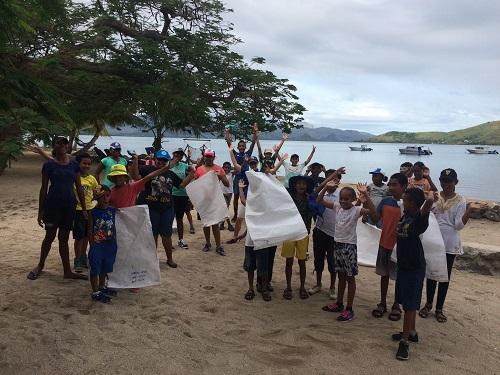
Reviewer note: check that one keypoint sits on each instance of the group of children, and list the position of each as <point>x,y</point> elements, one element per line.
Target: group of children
<point>68,204</point>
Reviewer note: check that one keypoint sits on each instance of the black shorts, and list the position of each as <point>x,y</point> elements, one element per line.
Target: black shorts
<point>182,204</point>
<point>59,217</point>
<point>79,226</point>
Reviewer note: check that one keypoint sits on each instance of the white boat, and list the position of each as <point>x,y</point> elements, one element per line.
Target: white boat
<point>362,148</point>
<point>482,150</point>
<point>415,150</point>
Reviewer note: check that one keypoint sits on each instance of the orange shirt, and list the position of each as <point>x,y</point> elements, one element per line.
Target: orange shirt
<point>390,213</point>
<point>422,184</point>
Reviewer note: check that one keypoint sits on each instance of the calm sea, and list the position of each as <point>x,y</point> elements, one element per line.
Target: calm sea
<point>479,175</point>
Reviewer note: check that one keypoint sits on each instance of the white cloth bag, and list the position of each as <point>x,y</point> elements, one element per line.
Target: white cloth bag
<point>206,195</point>
<point>136,264</point>
<point>271,215</point>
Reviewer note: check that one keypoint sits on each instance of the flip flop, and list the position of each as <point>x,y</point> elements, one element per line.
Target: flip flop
<point>266,296</point>
<point>440,317</point>
<point>287,294</point>
<point>303,294</point>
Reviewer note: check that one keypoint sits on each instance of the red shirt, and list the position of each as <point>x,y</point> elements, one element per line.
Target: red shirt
<point>390,213</point>
<point>202,170</point>
<point>125,196</point>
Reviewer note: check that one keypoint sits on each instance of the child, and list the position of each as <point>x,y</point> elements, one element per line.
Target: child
<point>418,180</point>
<point>377,190</point>
<point>102,237</point>
<point>300,188</point>
<point>228,192</point>
<point>208,166</point>
<point>389,212</point>
<point>294,168</point>
<point>80,235</point>
<point>323,236</point>
<point>411,263</point>
<point>452,215</point>
<point>315,169</point>
<point>406,168</point>
<point>260,260</point>
<point>345,249</point>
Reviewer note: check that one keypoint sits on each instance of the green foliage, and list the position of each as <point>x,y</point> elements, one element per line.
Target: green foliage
<point>483,134</point>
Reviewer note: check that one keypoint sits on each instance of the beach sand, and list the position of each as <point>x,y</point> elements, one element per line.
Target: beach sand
<point>197,321</point>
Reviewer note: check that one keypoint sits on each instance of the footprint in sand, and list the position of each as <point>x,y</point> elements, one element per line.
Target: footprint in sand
<point>84,312</point>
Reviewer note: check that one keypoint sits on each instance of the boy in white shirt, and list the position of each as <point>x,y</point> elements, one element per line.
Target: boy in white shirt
<point>228,193</point>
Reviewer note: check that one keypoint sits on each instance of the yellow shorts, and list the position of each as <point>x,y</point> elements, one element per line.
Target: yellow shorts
<point>297,249</point>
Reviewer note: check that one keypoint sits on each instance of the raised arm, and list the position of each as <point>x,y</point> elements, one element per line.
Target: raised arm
<point>255,137</point>
<point>310,155</point>
<point>236,166</point>
<point>278,164</point>
<point>228,137</point>
<point>367,203</point>
<point>430,196</point>
<point>190,177</point>
<point>320,200</point>
<point>100,168</point>
<point>259,149</point>
<point>156,173</point>
<point>38,150</point>
<point>334,176</point>
<point>284,137</point>
<point>134,169</point>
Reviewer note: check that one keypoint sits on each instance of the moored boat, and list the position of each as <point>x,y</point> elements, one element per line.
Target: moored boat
<point>362,148</point>
<point>415,150</point>
<point>482,150</point>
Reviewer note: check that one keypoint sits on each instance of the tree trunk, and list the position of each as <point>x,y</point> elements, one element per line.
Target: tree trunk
<point>157,142</point>
<point>8,145</point>
<point>92,141</point>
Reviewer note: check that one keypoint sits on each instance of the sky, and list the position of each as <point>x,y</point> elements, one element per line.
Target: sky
<point>380,65</point>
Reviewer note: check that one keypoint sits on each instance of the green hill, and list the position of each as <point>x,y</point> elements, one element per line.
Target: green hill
<point>487,133</point>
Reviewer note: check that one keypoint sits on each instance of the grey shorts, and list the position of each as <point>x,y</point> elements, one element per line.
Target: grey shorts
<point>385,266</point>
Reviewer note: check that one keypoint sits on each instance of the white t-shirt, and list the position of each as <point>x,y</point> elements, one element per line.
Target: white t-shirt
<point>345,224</point>
<point>228,189</point>
<point>248,240</point>
<point>291,171</point>
<point>449,217</point>
<point>326,223</point>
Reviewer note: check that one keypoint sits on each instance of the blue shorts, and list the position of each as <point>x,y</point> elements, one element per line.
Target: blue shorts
<point>102,258</point>
<point>161,221</point>
<point>409,286</point>
<point>260,260</point>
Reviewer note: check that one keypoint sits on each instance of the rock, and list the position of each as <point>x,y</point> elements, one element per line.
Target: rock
<point>493,213</point>
<point>478,213</point>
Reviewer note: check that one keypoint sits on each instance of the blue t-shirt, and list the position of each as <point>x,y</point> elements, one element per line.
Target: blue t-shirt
<point>61,178</point>
<point>103,227</point>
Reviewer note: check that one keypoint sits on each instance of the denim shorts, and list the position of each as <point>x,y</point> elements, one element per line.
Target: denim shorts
<point>161,221</point>
<point>409,286</point>
<point>102,258</point>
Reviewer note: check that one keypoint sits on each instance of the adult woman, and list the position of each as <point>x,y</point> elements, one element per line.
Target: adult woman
<point>57,205</point>
<point>107,163</point>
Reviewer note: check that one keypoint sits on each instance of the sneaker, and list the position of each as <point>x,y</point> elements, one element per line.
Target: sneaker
<point>230,227</point>
<point>207,247</point>
<point>78,265</point>
<point>334,307</point>
<point>403,353</point>
<point>346,316</point>
<point>109,292</point>
<point>220,250</point>
<point>315,289</point>
<point>100,297</point>
<point>182,244</point>
<point>191,230</point>
<point>332,294</point>
<point>399,337</point>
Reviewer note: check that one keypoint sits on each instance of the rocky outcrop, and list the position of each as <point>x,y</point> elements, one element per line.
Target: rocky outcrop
<point>481,259</point>
<point>485,211</point>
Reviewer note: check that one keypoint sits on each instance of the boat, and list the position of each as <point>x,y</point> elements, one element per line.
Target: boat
<point>482,150</point>
<point>415,150</point>
<point>362,148</point>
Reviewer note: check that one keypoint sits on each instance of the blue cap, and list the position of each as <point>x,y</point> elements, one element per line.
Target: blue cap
<point>378,171</point>
<point>162,154</point>
<point>115,146</point>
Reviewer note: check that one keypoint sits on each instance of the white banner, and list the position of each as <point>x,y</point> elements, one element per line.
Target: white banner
<point>432,242</point>
<point>271,215</point>
<point>136,264</point>
<point>206,195</point>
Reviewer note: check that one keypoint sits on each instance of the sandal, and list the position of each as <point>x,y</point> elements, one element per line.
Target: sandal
<point>287,294</point>
<point>379,311</point>
<point>100,297</point>
<point>424,312</point>
<point>440,317</point>
<point>220,250</point>
<point>108,292</point>
<point>395,314</point>
<point>266,296</point>
<point>303,294</point>
<point>249,295</point>
<point>207,247</point>
<point>33,275</point>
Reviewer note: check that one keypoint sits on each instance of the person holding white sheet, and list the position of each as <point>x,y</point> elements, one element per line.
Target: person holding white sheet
<point>209,166</point>
<point>452,215</point>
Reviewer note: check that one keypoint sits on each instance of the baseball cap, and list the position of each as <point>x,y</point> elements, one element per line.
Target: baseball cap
<point>115,146</point>
<point>162,154</point>
<point>378,171</point>
<point>209,153</point>
<point>268,151</point>
<point>448,174</point>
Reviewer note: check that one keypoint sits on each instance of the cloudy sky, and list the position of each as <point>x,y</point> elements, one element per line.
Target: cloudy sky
<point>380,65</point>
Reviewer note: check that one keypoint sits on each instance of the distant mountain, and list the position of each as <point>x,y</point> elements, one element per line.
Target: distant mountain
<point>484,134</point>
<point>304,134</point>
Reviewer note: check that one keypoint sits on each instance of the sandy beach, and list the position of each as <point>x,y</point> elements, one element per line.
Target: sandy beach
<point>197,321</point>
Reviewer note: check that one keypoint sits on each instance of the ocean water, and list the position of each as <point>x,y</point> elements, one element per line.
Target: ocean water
<point>479,175</point>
